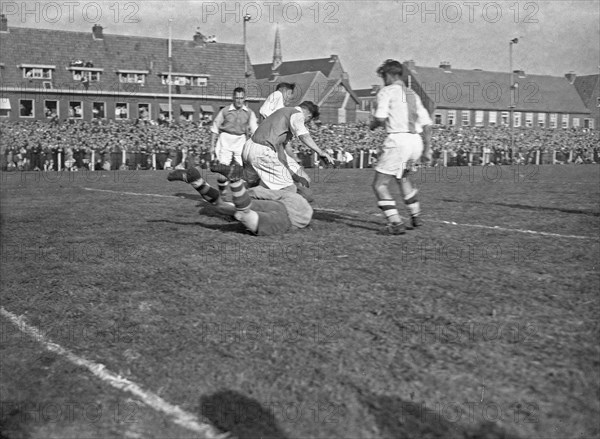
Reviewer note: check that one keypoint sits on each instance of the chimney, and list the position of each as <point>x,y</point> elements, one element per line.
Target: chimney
<point>199,39</point>
<point>519,73</point>
<point>97,32</point>
<point>333,58</point>
<point>446,66</point>
<point>571,76</point>
<point>3,23</point>
<point>375,88</point>
<point>410,64</point>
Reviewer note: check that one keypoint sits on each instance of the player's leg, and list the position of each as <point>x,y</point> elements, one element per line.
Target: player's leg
<point>192,177</point>
<point>265,162</point>
<point>407,188</point>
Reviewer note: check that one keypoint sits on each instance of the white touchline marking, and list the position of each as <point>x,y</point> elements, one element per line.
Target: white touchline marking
<point>478,226</point>
<point>452,223</point>
<point>180,416</point>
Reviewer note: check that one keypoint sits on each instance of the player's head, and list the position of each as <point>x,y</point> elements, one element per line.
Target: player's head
<point>286,89</point>
<point>390,71</point>
<point>310,110</point>
<point>239,97</point>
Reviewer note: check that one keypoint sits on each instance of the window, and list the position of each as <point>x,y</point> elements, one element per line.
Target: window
<point>553,120</point>
<point>479,118</point>
<point>26,108</point>
<point>144,111</point>
<point>588,123</point>
<point>541,120</point>
<point>517,119</point>
<point>438,118</point>
<point>85,74</point>
<point>122,110</point>
<point>5,107</point>
<point>528,120</point>
<point>132,78</point>
<point>33,71</point>
<point>51,109</point>
<point>75,110</point>
<point>98,110</point>
<point>466,117</point>
<point>565,121</point>
<point>185,79</point>
<point>451,117</point>
<point>505,118</point>
<point>575,122</point>
<point>492,118</point>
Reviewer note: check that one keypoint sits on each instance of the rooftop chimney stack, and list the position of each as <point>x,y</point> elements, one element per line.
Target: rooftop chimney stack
<point>97,32</point>
<point>571,77</point>
<point>199,38</point>
<point>3,23</point>
<point>446,66</point>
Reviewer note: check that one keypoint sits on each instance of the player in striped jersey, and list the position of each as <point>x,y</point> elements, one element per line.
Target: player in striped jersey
<point>407,122</point>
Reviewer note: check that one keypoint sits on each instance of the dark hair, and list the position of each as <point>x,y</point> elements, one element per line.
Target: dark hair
<point>286,85</point>
<point>312,108</point>
<point>239,90</point>
<point>390,66</point>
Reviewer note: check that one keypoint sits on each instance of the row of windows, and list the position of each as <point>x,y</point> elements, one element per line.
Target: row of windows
<point>75,109</point>
<point>91,75</point>
<point>519,119</point>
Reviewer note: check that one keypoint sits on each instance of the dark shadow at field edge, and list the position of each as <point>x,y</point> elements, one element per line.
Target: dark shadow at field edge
<point>526,207</point>
<point>194,197</point>
<point>397,418</point>
<point>243,417</point>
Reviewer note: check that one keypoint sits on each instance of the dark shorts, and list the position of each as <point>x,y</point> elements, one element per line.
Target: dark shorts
<point>273,217</point>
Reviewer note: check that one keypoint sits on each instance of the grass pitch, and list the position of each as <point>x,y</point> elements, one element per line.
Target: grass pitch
<point>472,326</point>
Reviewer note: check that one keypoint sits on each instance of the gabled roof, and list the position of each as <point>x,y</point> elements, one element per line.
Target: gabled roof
<point>323,65</point>
<point>484,90</point>
<point>223,63</point>
<point>588,88</point>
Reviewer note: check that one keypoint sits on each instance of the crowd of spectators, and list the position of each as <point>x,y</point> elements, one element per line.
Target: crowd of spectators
<point>102,144</point>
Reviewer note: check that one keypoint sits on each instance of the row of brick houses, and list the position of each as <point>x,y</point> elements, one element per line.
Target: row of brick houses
<point>91,75</point>
<point>459,97</point>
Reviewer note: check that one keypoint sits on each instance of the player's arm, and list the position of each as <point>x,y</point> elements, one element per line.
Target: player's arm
<point>426,135</point>
<point>309,142</point>
<point>381,109</point>
<point>214,134</point>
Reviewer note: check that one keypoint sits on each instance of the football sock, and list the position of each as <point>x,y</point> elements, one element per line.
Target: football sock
<point>241,198</point>
<point>389,210</point>
<point>412,203</point>
<point>222,182</point>
<point>208,192</point>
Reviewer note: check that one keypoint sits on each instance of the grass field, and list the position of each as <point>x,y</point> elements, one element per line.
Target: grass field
<point>473,326</point>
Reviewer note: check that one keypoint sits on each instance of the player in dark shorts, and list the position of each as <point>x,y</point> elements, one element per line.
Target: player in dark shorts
<point>263,211</point>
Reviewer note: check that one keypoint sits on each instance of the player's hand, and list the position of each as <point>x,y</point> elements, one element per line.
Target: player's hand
<point>301,180</point>
<point>328,158</point>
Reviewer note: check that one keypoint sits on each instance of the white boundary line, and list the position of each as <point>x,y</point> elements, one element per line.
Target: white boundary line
<point>452,223</point>
<point>179,416</point>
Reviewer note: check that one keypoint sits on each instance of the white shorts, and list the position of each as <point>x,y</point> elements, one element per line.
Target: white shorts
<point>228,147</point>
<point>264,161</point>
<point>399,152</point>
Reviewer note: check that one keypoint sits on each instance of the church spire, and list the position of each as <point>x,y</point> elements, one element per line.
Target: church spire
<point>277,57</point>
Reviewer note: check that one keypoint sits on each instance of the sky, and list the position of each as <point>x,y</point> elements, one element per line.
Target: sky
<point>555,37</point>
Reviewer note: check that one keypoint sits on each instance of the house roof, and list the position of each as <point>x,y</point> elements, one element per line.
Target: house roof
<point>588,88</point>
<point>323,65</point>
<point>485,90</point>
<point>223,64</point>
<point>365,93</point>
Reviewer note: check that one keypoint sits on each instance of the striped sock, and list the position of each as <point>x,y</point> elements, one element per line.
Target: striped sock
<point>389,210</point>
<point>208,192</point>
<point>241,198</point>
<point>412,203</point>
<point>222,186</point>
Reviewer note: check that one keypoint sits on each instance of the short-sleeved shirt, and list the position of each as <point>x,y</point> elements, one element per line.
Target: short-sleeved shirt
<point>280,127</point>
<point>402,108</point>
<point>236,122</point>
<point>273,103</point>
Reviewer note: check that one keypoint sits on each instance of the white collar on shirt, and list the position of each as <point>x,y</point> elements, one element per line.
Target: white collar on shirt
<point>232,108</point>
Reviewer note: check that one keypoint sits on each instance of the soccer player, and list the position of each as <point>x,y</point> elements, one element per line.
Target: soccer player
<point>400,110</point>
<point>277,99</point>
<point>230,129</point>
<point>262,211</point>
<point>264,153</point>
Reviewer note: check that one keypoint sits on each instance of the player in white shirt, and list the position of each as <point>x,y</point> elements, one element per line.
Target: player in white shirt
<point>277,99</point>
<point>408,124</point>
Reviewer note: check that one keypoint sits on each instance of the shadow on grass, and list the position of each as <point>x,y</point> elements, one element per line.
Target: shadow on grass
<point>397,418</point>
<point>233,227</point>
<point>243,417</point>
<point>527,207</point>
<point>348,220</point>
